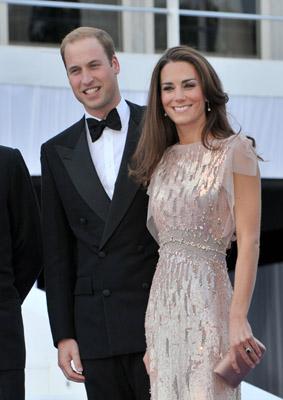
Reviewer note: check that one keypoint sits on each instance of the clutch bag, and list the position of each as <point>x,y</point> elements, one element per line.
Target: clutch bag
<point>225,370</point>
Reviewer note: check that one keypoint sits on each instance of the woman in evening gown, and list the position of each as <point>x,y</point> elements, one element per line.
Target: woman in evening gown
<point>204,186</point>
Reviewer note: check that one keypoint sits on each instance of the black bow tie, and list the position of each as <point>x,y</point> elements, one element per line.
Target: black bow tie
<point>96,127</point>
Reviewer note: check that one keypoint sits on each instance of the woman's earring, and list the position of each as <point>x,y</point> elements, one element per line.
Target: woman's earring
<point>208,106</point>
<point>165,115</point>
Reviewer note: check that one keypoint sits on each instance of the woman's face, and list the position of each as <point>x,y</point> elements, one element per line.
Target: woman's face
<point>182,96</point>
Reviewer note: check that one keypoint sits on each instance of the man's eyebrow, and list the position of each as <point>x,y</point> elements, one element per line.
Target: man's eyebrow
<point>74,66</point>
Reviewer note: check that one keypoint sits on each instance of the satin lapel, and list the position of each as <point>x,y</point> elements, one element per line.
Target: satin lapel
<point>81,170</point>
<point>125,187</point>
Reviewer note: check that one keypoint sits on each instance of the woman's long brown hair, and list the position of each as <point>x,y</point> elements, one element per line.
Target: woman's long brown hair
<point>159,131</point>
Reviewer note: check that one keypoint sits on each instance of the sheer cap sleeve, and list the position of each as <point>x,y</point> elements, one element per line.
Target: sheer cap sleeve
<point>244,158</point>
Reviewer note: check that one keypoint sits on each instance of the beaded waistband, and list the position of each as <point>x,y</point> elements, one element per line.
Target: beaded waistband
<point>185,238</point>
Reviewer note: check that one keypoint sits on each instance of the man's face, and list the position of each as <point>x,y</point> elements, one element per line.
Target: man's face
<point>92,76</point>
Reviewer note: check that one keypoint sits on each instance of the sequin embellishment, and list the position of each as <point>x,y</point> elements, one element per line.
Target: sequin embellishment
<point>191,206</point>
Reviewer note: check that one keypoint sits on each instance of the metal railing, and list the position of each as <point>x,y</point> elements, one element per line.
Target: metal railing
<point>155,10</point>
<point>173,12</point>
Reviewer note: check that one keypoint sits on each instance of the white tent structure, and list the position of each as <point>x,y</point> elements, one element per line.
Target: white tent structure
<point>36,102</point>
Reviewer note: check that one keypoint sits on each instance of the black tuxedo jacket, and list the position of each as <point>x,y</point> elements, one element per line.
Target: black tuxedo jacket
<point>99,256</point>
<point>20,253</point>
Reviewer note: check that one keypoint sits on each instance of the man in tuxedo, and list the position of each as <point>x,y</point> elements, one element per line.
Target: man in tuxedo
<point>99,256</point>
<point>20,264</point>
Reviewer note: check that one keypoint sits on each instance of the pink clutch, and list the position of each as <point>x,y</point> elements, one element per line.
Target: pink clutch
<point>225,370</point>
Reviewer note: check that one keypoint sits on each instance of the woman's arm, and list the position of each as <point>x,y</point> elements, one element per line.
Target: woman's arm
<point>247,192</point>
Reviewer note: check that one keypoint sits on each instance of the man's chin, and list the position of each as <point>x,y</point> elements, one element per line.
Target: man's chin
<point>91,104</point>
<point>98,109</point>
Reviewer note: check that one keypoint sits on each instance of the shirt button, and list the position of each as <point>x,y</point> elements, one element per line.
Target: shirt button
<point>106,292</point>
<point>145,285</point>
<point>83,220</point>
<point>101,254</point>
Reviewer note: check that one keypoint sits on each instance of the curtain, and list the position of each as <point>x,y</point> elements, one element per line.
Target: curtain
<point>30,115</point>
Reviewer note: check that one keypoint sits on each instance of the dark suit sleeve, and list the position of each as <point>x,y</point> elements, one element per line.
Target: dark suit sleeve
<point>59,257</point>
<point>25,226</point>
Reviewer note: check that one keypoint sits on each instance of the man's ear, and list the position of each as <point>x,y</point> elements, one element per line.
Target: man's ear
<point>115,65</point>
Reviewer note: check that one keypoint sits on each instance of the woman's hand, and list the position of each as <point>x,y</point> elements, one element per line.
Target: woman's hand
<point>243,342</point>
<point>146,362</point>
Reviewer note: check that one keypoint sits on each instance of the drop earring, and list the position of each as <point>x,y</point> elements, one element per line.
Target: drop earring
<point>208,106</point>
<point>165,115</point>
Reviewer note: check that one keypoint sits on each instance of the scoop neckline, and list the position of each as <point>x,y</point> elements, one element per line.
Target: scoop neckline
<point>214,140</point>
<point>187,144</point>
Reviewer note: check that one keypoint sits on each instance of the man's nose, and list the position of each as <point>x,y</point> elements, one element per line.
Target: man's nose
<point>86,77</point>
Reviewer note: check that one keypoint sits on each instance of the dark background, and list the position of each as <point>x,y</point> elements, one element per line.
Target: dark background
<point>271,244</point>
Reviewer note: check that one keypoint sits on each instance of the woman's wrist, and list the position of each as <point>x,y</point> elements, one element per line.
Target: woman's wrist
<point>237,316</point>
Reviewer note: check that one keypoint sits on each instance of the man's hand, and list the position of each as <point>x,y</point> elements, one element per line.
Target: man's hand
<point>146,362</point>
<point>69,356</point>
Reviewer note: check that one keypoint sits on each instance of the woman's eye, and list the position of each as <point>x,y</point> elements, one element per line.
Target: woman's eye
<point>167,88</point>
<point>189,85</point>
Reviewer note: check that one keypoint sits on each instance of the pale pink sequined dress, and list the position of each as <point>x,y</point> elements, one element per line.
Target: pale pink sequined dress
<point>191,214</point>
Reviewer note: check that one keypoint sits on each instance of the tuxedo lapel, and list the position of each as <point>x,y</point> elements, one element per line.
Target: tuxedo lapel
<point>125,187</point>
<point>78,163</point>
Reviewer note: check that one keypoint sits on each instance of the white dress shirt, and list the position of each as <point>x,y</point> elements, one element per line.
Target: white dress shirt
<point>107,151</point>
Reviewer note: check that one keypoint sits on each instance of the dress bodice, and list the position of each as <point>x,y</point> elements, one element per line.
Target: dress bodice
<point>192,192</point>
